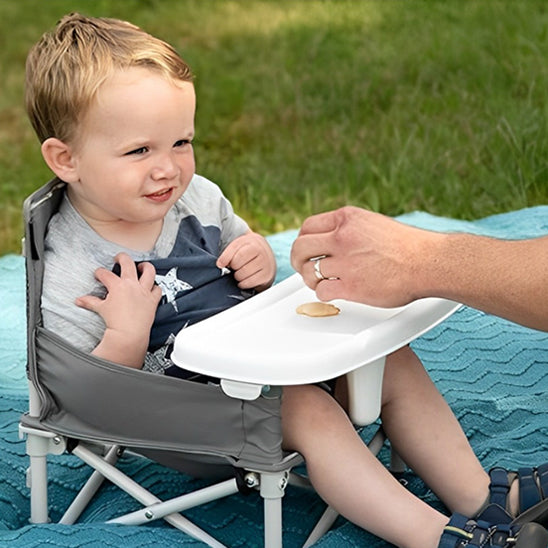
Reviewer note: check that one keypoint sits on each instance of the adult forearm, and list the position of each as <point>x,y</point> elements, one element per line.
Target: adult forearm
<point>501,277</point>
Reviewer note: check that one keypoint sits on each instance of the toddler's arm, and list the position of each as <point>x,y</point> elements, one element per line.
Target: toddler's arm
<point>251,259</point>
<point>128,311</point>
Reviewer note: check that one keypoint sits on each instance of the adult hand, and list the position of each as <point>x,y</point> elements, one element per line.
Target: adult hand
<point>373,259</point>
<point>369,258</point>
<point>252,261</point>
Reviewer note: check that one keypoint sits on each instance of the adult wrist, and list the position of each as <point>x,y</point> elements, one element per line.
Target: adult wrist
<point>431,265</point>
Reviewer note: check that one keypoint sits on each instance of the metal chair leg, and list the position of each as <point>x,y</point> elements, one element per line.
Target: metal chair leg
<point>272,490</point>
<point>39,445</point>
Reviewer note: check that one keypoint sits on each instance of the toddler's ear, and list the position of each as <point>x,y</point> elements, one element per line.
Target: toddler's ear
<point>58,155</point>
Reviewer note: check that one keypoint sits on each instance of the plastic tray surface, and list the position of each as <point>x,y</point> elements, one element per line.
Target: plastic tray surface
<point>264,340</point>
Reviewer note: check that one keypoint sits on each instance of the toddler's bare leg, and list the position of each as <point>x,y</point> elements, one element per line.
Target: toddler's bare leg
<point>348,477</point>
<point>426,434</point>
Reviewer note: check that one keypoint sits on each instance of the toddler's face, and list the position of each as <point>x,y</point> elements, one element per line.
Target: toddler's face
<point>134,156</point>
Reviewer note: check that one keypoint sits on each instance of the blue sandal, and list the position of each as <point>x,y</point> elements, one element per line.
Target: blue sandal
<point>533,494</point>
<point>462,532</point>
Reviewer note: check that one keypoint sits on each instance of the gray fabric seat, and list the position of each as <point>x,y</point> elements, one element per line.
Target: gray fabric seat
<point>77,399</point>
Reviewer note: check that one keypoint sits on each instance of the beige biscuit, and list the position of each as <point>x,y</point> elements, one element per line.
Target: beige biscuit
<point>318,309</point>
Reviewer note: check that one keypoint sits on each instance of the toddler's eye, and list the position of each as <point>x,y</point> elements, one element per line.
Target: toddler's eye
<point>182,143</point>
<point>137,151</point>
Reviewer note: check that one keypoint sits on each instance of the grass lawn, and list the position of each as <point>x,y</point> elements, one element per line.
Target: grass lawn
<point>303,106</point>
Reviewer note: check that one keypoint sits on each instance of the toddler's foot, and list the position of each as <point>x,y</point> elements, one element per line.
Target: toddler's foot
<point>462,532</point>
<point>529,504</point>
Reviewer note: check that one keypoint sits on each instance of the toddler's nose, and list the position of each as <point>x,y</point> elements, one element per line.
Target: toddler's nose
<point>165,168</point>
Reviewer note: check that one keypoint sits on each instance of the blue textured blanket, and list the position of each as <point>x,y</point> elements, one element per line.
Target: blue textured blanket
<point>493,373</point>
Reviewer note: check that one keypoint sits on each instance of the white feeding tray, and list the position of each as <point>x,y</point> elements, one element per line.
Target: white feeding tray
<point>263,341</point>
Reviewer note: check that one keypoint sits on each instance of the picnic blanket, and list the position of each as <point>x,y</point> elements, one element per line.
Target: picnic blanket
<point>493,373</point>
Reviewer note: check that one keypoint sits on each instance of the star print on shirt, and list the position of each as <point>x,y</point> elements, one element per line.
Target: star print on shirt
<point>171,286</point>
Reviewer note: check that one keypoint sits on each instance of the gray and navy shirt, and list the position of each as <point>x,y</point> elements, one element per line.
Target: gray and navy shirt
<point>195,232</point>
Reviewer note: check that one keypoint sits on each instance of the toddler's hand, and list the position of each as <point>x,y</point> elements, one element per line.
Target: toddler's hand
<point>128,310</point>
<point>252,261</point>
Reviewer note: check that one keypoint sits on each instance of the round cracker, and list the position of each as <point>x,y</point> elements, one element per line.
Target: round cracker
<point>318,309</point>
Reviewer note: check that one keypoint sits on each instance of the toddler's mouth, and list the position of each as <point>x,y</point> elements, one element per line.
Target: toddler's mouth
<point>161,195</point>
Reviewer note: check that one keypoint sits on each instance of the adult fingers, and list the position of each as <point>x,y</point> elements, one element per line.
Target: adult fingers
<point>327,290</point>
<point>314,238</point>
<point>307,247</point>
<point>320,223</point>
<point>318,269</point>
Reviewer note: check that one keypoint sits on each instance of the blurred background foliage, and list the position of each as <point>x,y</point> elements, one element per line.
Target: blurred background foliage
<point>308,105</point>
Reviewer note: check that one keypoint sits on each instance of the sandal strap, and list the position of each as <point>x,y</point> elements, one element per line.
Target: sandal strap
<point>499,486</point>
<point>462,532</point>
<point>528,490</point>
<point>542,475</point>
<point>533,486</point>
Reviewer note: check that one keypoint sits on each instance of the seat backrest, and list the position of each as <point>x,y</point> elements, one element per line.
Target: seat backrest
<point>84,397</point>
<point>38,209</point>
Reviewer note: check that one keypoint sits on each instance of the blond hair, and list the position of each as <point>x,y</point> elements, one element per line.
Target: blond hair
<point>66,67</point>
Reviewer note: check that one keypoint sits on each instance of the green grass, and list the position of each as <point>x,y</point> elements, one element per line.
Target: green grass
<point>303,106</point>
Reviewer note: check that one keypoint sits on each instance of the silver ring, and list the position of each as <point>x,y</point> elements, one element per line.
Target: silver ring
<point>317,271</point>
